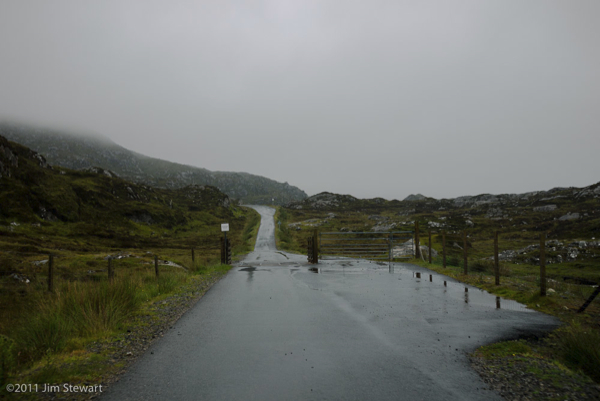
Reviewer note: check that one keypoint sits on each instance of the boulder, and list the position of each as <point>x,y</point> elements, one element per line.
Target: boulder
<point>425,252</point>
<point>569,216</point>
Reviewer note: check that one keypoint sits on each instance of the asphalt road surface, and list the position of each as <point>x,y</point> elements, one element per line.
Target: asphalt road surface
<point>273,329</point>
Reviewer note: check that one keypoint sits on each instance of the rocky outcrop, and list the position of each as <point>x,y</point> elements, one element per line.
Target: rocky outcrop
<point>569,216</point>
<point>416,197</point>
<point>324,200</point>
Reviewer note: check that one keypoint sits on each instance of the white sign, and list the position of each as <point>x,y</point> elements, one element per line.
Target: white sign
<point>225,227</point>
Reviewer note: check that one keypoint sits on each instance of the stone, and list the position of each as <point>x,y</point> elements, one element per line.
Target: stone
<point>425,252</point>
<point>403,250</point>
<point>545,208</point>
<point>416,197</point>
<point>569,216</point>
<point>383,227</point>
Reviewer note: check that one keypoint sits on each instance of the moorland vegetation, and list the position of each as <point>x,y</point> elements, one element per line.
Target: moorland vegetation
<point>86,220</point>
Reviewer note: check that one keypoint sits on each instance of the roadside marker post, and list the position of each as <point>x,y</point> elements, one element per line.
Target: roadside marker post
<point>225,247</point>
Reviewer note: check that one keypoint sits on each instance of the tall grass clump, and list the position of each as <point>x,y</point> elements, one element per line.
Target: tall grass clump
<point>95,308</point>
<point>7,358</point>
<point>580,347</point>
<point>43,333</point>
<point>167,283</point>
<point>77,309</point>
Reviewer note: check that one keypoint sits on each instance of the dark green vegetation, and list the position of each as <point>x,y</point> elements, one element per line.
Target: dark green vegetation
<point>85,152</point>
<point>570,218</point>
<point>83,219</point>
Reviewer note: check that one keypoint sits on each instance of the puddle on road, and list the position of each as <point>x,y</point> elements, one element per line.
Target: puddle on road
<point>477,297</point>
<point>343,271</point>
<point>472,297</point>
<point>252,269</point>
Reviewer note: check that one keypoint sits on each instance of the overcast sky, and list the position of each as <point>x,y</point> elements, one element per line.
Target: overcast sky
<point>368,98</point>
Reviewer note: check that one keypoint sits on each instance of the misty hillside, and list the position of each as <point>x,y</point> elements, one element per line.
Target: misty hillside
<point>82,152</point>
<point>32,191</point>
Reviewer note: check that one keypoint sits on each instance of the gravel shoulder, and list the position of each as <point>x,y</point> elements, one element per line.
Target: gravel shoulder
<point>522,378</point>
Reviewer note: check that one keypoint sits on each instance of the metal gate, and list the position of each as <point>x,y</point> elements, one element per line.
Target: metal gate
<point>367,245</point>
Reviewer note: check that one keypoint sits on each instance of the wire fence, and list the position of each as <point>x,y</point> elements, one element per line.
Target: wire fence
<point>39,268</point>
<point>507,257</point>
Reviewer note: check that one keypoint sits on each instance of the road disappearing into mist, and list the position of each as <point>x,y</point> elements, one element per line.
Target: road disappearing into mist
<point>277,328</point>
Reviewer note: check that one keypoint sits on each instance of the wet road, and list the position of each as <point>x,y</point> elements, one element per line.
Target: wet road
<point>272,329</point>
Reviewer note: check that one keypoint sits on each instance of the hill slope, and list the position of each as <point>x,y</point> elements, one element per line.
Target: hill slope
<point>36,197</point>
<point>81,152</point>
<point>563,213</point>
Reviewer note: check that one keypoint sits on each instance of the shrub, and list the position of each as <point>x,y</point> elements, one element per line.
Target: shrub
<point>7,358</point>
<point>482,266</point>
<point>453,261</point>
<point>580,348</point>
<point>82,309</point>
<point>43,333</point>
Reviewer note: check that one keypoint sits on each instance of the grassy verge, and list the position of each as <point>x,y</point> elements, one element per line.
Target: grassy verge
<point>51,337</point>
<point>286,238</point>
<point>249,233</point>
<point>50,344</point>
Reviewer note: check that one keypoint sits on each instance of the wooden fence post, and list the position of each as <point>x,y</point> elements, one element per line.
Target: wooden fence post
<point>429,246</point>
<point>222,251</point>
<point>110,270</point>
<point>466,271</point>
<point>496,261</point>
<point>543,264</point>
<point>51,273</point>
<point>444,248</point>
<point>156,265</point>
<point>228,251</point>
<point>417,242</point>
<point>316,246</point>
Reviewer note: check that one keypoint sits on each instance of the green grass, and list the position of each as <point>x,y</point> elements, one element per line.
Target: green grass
<point>579,347</point>
<point>505,349</point>
<point>48,344</point>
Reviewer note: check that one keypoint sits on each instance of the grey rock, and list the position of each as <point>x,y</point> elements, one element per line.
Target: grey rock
<point>383,227</point>
<point>425,251</point>
<point>404,250</point>
<point>416,197</point>
<point>569,216</point>
<point>545,208</point>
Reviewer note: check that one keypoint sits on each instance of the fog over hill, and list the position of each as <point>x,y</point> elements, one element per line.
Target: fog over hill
<point>76,151</point>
